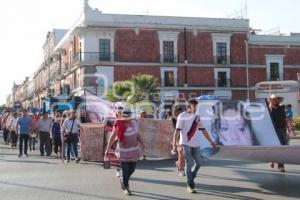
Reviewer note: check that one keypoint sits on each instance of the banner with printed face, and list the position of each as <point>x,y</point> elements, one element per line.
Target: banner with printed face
<point>97,109</point>
<point>237,123</point>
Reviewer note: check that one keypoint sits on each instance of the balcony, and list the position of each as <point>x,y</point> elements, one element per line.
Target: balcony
<point>169,58</point>
<point>94,57</point>
<point>222,60</point>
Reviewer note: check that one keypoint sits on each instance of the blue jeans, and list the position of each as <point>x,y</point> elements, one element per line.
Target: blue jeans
<point>72,143</point>
<point>193,159</point>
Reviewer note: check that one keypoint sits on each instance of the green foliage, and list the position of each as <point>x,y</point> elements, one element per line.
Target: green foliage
<point>138,88</point>
<point>297,124</point>
<point>2,108</point>
<point>120,91</point>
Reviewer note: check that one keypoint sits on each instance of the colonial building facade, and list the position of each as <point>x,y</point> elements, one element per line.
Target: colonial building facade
<point>188,56</point>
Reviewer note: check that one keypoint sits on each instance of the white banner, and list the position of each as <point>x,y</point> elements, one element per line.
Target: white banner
<point>97,109</point>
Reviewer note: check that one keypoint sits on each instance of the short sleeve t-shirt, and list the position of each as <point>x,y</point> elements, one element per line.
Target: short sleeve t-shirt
<point>24,123</point>
<point>184,124</point>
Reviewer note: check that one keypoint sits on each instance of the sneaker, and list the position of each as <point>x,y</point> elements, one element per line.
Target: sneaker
<point>127,191</point>
<point>281,169</point>
<point>121,183</point>
<point>182,174</point>
<point>118,174</point>
<point>77,160</point>
<point>27,155</point>
<point>272,165</point>
<point>190,190</point>
<point>68,161</point>
<point>192,185</point>
<point>20,155</point>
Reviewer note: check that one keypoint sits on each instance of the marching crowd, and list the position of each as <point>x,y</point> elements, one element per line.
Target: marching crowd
<point>58,134</point>
<point>62,131</point>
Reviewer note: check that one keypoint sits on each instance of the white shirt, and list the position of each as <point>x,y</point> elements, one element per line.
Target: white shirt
<point>45,125</point>
<point>67,125</point>
<point>184,124</point>
<point>13,124</point>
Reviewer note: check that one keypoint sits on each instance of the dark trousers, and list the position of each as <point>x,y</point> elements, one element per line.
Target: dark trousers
<point>57,144</point>
<point>73,142</point>
<point>23,138</point>
<point>14,138</point>
<point>128,169</point>
<point>5,135</point>
<point>51,145</point>
<point>284,140</point>
<point>45,143</point>
<point>32,141</point>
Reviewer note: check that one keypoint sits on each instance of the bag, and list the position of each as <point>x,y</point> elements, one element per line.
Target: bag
<point>67,137</point>
<point>106,162</point>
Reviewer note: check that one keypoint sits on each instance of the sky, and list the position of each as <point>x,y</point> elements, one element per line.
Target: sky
<point>25,23</point>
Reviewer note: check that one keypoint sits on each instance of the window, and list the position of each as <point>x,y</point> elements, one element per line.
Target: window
<point>222,77</point>
<point>169,79</point>
<point>70,58</point>
<point>221,48</point>
<point>221,53</point>
<point>104,50</point>
<point>168,76</point>
<point>274,65</point>
<point>274,72</point>
<point>168,51</point>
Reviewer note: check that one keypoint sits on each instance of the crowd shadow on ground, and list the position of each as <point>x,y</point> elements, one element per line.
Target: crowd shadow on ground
<point>69,192</point>
<point>271,182</point>
<point>211,190</point>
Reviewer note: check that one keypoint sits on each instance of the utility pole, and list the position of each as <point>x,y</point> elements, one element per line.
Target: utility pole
<point>185,59</point>
<point>247,68</point>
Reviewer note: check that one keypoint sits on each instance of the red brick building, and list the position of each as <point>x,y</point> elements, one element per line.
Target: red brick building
<point>193,56</point>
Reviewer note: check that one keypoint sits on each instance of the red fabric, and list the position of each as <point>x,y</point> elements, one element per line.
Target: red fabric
<point>120,128</point>
<point>193,129</point>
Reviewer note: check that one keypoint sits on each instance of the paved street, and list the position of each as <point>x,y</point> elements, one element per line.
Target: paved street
<point>36,178</point>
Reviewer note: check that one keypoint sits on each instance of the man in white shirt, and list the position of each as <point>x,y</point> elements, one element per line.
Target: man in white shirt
<point>188,128</point>
<point>70,129</point>
<point>44,128</point>
<point>13,130</point>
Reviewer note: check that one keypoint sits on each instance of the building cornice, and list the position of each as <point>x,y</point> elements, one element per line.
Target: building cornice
<point>274,40</point>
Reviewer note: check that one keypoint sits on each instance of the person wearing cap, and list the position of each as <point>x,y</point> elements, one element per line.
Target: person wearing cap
<point>278,116</point>
<point>70,130</point>
<point>125,129</point>
<point>44,129</point>
<point>23,129</point>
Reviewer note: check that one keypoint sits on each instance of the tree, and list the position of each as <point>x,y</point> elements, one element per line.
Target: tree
<point>120,91</point>
<point>145,86</point>
<point>140,87</point>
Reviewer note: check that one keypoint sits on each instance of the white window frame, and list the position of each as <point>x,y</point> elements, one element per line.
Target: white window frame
<point>217,70</point>
<point>274,59</point>
<point>107,35</point>
<point>221,38</point>
<point>168,69</point>
<point>168,36</point>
